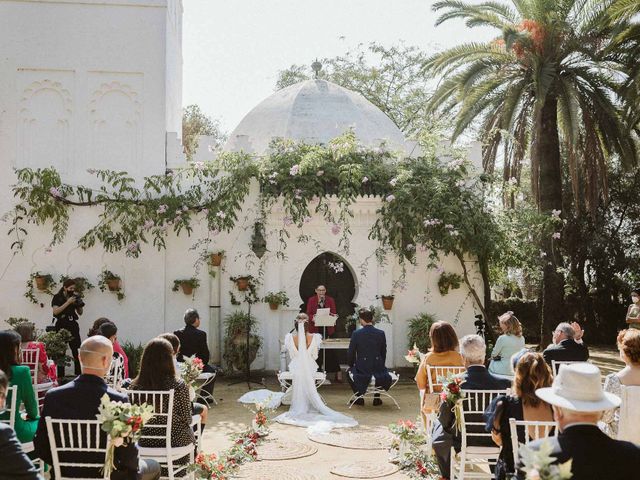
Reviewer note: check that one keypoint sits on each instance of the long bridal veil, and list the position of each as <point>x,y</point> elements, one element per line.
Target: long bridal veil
<point>307,408</point>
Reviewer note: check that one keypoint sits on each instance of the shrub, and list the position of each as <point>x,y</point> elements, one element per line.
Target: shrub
<point>134,354</point>
<point>419,327</point>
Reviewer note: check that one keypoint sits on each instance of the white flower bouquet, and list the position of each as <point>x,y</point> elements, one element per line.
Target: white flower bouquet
<point>123,423</point>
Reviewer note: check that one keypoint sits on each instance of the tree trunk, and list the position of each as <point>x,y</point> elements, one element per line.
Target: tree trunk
<point>546,151</point>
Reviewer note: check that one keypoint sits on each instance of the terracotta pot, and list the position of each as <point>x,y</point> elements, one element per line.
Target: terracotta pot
<point>41,283</point>
<point>243,284</point>
<point>273,306</point>
<point>215,259</point>
<point>387,303</point>
<point>113,284</point>
<point>187,288</point>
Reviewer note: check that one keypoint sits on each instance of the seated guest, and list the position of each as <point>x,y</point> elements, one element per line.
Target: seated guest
<point>578,402</point>
<point>198,408</point>
<point>16,465</point>
<point>117,348</point>
<point>19,375</point>
<point>443,352</point>
<point>157,372</point>
<point>629,347</point>
<point>508,344</point>
<point>79,400</point>
<point>193,341</point>
<point>367,357</point>
<point>531,373</point>
<point>473,350</point>
<point>567,345</point>
<point>45,370</point>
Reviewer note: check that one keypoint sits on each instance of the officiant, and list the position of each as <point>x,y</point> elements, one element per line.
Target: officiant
<point>317,301</point>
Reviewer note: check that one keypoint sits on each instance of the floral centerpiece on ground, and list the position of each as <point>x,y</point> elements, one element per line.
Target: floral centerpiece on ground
<point>123,423</point>
<point>191,369</point>
<point>408,435</point>
<point>413,355</point>
<point>538,464</point>
<point>260,422</point>
<point>452,394</point>
<point>244,447</point>
<point>213,467</point>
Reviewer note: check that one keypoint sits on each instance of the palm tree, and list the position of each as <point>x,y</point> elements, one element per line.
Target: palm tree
<point>544,88</point>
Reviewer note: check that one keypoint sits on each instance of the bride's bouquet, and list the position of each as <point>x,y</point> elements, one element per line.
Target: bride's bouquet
<point>123,423</point>
<point>191,369</point>
<point>452,394</point>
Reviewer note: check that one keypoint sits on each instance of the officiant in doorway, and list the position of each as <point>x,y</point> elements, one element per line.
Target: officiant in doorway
<point>321,301</point>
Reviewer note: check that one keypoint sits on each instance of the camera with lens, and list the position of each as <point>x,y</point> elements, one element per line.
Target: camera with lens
<point>79,302</point>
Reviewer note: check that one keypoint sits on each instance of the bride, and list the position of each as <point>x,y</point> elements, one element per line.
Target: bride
<point>307,408</point>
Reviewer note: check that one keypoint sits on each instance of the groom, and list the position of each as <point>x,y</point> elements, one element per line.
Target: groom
<point>367,355</point>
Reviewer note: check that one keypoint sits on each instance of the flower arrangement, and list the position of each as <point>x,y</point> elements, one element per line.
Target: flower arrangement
<point>539,464</point>
<point>191,370</point>
<point>448,281</point>
<point>123,423</point>
<point>409,437</point>
<point>213,467</point>
<point>275,299</point>
<point>260,422</point>
<point>244,447</point>
<point>413,355</point>
<point>407,430</point>
<point>452,394</point>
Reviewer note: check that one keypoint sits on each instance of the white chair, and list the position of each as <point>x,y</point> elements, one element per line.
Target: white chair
<point>116,373</point>
<point>77,436</point>
<point>196,426</point>
<point>556,364</point>
<point>166,456</point>
<point>628,419</point>
<point>436,375</point>
<point>533,430</point>
<point>372,390</point>
<point>204,379</point>
<point>31,358</point>
<point>473,406</point>
<point>11,409</point>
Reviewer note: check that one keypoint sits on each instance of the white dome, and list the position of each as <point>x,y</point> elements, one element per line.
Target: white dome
<point>314,111</point>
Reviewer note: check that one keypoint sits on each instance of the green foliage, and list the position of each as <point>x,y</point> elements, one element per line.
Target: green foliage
<point>196,123</point>
<point>527,311</point>
<point>13,322</point>
<point>134,354</point>
<point>379,315</point>
<point>418,335</point>
<point>237,324</point>
<point>55,344</point>
<point>49,283</point>
<point>103,283</point>
<point>448,281</point>
<point>249,296</point>
<point>277,298</point>
<point>192,282</point>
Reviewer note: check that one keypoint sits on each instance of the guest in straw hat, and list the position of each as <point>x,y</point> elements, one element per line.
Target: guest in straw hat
<point>578,402</point>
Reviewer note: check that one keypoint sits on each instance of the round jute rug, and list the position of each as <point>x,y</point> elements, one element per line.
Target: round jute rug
<point>370,469</point>
<point>361,438</point>
<point>279,450</point>
<point>271,470</point>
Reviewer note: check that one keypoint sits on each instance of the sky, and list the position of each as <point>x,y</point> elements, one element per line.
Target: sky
<point>233,49</point>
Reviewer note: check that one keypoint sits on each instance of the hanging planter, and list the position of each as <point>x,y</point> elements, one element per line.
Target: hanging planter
<point>275,299</point>
<point>43,282</point>
<point>112,282</point>
<point>188,285</point>
<point>215,259</point>
<point>242,283</point>
<point>387,301</point>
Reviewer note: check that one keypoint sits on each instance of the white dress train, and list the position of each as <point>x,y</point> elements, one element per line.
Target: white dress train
<point>307,408</point>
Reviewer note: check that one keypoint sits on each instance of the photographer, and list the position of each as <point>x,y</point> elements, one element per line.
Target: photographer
<point>67,308</point>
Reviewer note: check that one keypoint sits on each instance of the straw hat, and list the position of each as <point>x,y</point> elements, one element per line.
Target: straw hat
<point>577,387</point>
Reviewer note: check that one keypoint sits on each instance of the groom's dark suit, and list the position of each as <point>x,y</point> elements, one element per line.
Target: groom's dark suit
<point>367,356</point>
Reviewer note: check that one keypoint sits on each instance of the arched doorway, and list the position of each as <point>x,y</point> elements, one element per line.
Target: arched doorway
<point>332,271</point>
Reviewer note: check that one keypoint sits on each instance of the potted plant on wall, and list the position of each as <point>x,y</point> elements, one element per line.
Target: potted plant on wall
<point>238,325</point>
<point>107,280</point>
<point>82,283</point>
<point>387,301</point>
<point>243,282</point>
<point>188,285</point>
<point>43,282</point>
<point>448,281</point>
<point>275,299</point>
<point>215,258</point>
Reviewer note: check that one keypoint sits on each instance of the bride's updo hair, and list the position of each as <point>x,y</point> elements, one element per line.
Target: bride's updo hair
<point>304,319</point>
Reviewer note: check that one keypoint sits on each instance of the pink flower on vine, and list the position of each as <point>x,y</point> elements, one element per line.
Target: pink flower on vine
<point>148,224</point>
<point>294,170</point>
<point>556,236</point>
<point>556,213</point>
<point>162,208</point>
<point>307,219</point>
<point>55,192</point>
<point>393,182</point>
<point>440,269</point>
<point>319,173</point>
<point>335,229</point>
<point>390,198</point>
<point>221,214</point>
<point>185,208</point>
<point>287,221</point>
<point>133,247</point>
<point>198,165</point>
<point>298,194</point>
<point>365,179</point>
<point>205,211</point>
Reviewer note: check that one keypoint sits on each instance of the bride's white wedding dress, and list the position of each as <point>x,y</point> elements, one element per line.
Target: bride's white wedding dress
<point>307,408</point>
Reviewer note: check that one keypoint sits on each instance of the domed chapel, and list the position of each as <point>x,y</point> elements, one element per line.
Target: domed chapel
<point>84,107</point>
